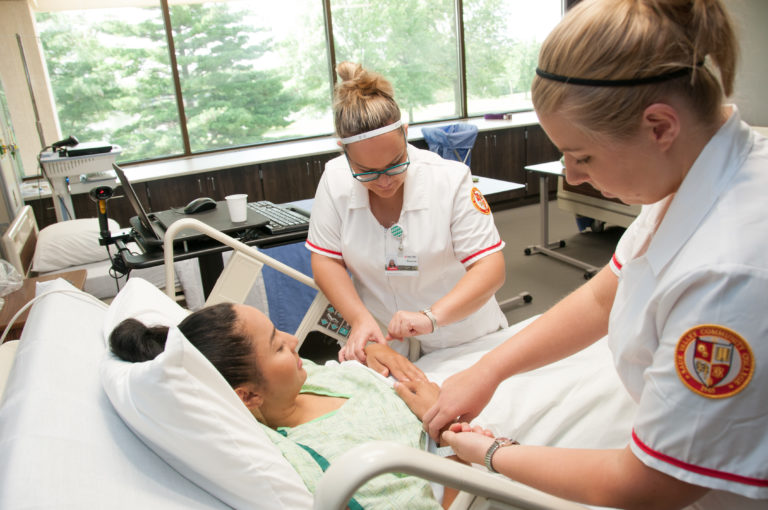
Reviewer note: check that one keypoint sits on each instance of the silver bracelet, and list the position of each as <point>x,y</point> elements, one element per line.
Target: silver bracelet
<point>428,312</point>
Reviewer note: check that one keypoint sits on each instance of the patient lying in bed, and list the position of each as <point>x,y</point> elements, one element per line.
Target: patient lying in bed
<point>323,410</point>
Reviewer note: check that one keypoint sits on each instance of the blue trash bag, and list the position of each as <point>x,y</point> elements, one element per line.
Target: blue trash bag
<point>454,141</point>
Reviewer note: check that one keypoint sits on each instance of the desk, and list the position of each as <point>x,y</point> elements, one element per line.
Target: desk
<point>489,186</point>
<point>545,170</point>
<point>18,298</point>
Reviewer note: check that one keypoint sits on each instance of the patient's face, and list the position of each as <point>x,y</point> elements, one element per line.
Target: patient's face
<point>276,355</point>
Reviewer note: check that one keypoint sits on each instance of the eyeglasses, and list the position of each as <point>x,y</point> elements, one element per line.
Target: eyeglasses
<point>372,175</point>
<point>375,174</point>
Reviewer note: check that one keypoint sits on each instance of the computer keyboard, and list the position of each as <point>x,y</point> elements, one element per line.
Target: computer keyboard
<point>281,219</point>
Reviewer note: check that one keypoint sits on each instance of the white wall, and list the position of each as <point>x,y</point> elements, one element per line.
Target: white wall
<point>751,20</point>
<point>17,18</point>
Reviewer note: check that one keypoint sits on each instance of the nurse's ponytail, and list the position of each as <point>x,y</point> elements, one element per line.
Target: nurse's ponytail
<point>362,101</point>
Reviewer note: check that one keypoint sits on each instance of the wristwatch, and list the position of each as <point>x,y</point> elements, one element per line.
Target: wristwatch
<point>499,442</point>
<point>428,312</point>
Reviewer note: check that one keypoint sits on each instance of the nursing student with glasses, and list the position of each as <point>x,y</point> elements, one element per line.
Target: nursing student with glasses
<point>403,244</point>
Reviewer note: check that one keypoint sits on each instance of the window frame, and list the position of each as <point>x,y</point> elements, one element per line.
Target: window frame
<point>462,106</point>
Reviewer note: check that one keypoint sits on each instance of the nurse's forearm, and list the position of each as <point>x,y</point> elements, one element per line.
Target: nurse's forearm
<point>332,278</point>
<point>574,323</point>
<point>612,478</point>
<point>473,290</point>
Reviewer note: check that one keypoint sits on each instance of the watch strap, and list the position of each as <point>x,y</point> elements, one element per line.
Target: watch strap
<point>499,442</point>
<point>428,312</point>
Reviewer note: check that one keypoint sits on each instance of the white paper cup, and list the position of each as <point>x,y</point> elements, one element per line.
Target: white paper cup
<point>238,207</point>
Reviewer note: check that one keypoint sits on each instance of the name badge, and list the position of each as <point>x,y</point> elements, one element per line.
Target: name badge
<point>397,261</point>
<point>401,265</point>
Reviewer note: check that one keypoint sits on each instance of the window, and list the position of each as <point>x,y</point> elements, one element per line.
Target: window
<point>502,40</point>
<point>413,44</point>
<point>111,79</point>
<point>244,77</point>
<point>243,73</point>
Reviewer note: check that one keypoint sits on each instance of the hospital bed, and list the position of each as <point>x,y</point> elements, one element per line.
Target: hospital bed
<point>74,436</point>
<point>73,245</point>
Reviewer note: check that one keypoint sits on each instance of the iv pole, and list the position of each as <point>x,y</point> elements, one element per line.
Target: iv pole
<point>58,199</point>
<point>38,124</point>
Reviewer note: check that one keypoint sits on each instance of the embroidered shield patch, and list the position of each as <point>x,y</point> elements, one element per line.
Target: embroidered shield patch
<point>478,200</point>
<point>714,361</point>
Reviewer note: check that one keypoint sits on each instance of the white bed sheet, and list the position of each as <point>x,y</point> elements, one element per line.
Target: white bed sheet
<point>62,445</point>
<point>577,402</point>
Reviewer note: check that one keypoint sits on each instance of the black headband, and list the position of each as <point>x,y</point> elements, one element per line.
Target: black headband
<point>628,82</point>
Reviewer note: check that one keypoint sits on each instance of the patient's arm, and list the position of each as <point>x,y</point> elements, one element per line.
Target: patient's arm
<point>386,361</point>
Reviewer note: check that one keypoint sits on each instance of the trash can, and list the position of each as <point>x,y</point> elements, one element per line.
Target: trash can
<point>454,141</point>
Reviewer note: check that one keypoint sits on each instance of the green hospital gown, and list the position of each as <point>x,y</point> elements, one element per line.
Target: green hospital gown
<point>372,412</point>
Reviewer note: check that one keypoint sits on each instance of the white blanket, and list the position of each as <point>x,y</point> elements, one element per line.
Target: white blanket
<point>576,402</point>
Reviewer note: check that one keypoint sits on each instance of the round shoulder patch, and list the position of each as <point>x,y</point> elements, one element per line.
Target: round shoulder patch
<point>478,200</point>
<point>714,361</point>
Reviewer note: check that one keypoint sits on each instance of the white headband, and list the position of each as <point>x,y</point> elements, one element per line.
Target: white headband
<point>372,133</point>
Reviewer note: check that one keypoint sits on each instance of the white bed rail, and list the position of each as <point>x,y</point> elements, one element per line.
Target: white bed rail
<point>348,472</point>
<point>241,272</point>
<point>189,223</point>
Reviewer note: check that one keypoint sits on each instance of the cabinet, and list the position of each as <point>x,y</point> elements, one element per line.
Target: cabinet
<point>118,207</point>
<point>499,153</point>
<point>293,179</point>
<point>539,149</point>
<point>176,192</point>
<point>504,154</point>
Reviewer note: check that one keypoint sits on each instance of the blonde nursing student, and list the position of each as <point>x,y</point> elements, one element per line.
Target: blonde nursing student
<point>399,236</point>
<point>631,92</point>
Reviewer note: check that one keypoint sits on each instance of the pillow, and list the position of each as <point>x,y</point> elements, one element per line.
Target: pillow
<point>184,410</point>
<point>70,243</point>
<point>143,301</point>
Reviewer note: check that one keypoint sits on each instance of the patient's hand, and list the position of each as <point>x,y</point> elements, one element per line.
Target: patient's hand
<point>463,396</point>
<point>469,442</point>
<point>418,395</point>
<point>386,361</point>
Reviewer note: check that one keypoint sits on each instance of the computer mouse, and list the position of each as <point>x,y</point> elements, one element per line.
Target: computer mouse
<point>199,205</point>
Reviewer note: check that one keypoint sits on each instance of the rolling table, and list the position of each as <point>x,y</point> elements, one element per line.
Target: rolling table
<point>544,171</point>
<point>207,252</point>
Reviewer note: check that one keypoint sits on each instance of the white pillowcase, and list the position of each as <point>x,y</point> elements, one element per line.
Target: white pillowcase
<point>70,243</point>
<point>184,410</point>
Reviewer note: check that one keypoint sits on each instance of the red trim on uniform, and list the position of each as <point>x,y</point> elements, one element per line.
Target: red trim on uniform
<point>698,469</point>
<point>479,252</point>
<point>616,262</point>
<point>316,247</point>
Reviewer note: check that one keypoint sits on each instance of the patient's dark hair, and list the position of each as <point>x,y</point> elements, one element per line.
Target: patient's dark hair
<point>214,330</point>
